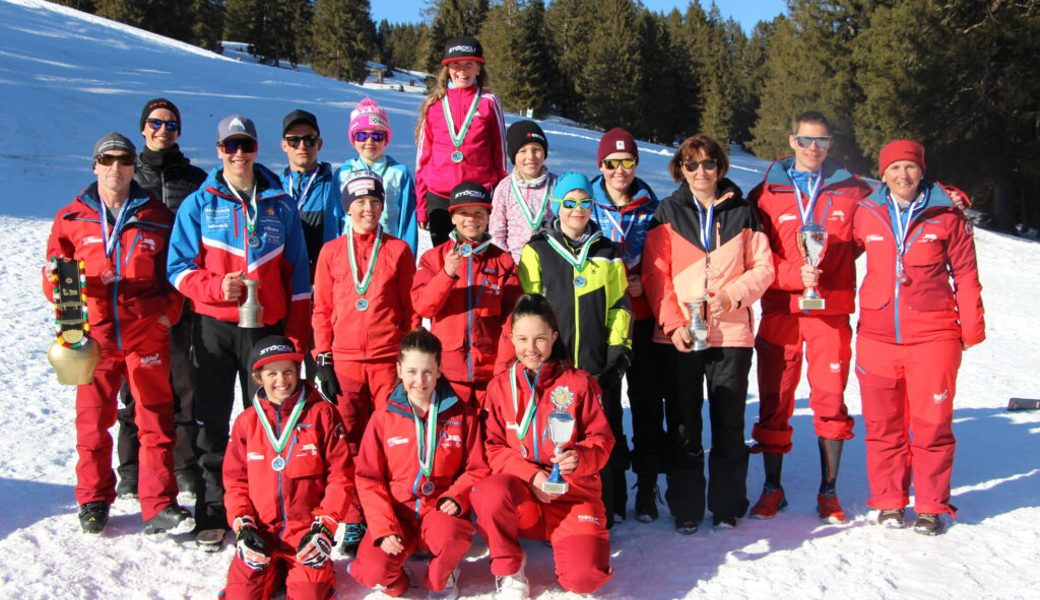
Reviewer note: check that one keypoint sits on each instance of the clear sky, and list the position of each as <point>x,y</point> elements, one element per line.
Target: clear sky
<point>746,12</point>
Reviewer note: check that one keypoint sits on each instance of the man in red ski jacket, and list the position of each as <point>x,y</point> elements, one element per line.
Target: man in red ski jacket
<point>806,188</point>
<point>467,286</point>
<point>121,232</point>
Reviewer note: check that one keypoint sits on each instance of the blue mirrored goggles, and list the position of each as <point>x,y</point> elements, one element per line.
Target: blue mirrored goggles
<point>568,203</point>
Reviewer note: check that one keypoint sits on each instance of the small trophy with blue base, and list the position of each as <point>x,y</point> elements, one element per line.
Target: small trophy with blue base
<point>561,428</point>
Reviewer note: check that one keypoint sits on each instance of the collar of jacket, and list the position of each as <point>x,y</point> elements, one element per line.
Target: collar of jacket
<point>324,170</point>
<point>161,159</point>
<point>398,402</point>
<point>268,184</point>
<point>137,198</point>
<point>937,196</point>
<point>639,190</point>
<point>778,179</point>
<point>725,186</point>
<point>286,407</point>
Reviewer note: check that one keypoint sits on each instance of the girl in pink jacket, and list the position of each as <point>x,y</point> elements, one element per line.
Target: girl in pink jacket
<point>520,206</point>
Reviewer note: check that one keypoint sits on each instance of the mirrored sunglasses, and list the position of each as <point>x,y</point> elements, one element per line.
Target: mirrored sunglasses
<point>569,203</point>
<point>614,163</point>
<point>106,160</point>
<point>364,136</point>
<point>235,144</point>
<point>156,124</point>
<point>805,141</point>
<point>308,141</point>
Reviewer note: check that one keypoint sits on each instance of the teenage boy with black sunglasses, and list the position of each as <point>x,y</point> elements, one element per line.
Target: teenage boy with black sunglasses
<point>311,184</point>
<point>168,175</point>
<point>239,225</point>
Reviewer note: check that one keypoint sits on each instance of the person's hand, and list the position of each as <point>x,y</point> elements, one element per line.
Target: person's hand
<point>231,286</point>
<point>452,260</point>
<point>250,546</point>
<point>635,285</point>
<point>449,507</point>
<point>810,276</point>
<point>316,545</point>
<point>958,200</point>
<point>536,488</point>
<point>568,461</point>
<point>681,340</point>
<point>719,303</point>
<point>325,377</point>
<point>391,544</point>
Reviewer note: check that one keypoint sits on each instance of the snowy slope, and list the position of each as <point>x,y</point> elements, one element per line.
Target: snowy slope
<point>66,78</point>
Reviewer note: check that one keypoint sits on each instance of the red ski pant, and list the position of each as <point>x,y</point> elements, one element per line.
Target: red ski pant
<point>828,350</point>
<point>301,582</point>
<point>507,510</point>
<point>447,539</point>
<point>470,392</point>
<point>145,361</point>
<point>365,386</point>
<point>908,393</point>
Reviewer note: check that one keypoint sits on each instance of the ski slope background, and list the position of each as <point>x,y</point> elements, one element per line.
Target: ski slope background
<point>67,78</point>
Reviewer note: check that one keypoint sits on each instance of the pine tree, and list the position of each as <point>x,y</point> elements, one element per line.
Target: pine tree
<point>207,23</point>
<point>131,12</point>
<point>569,25</point>
<point>343,39</point>
<point>611,82</point>
<point>86,6</point>
<point>268,26</point>
<point>667,89</point>
<point>514,42</point>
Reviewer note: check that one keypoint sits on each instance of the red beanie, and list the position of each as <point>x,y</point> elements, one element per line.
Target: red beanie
<point>897,150</point>
<point>616,140</point>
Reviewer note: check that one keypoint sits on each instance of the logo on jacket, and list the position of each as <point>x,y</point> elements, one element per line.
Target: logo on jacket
<point>929,237</point>
<point>90,239</point>
<point>451,440</point>
<point>254,456</point>
<point>786,217</point>
<point>838,214</point>
<point>941,397</point>
<point>149,243</point>
<point>875,238</point>
<point>561,397</point>
<point>835,367</point>
<point>308,450</point>
<point>588,519</point>
<point>152,360</point>
<point>397,441</point>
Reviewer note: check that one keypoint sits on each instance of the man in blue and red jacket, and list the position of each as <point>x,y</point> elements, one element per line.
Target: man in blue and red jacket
<point>239,225</point>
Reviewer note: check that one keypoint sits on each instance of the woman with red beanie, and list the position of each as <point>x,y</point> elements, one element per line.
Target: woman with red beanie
<point>920,308</point>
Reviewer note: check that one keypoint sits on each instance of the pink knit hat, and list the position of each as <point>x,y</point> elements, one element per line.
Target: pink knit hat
<point>369,116</point>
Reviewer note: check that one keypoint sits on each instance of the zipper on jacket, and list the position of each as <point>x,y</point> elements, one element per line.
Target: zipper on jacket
<point>115,289</point>
<point>469,317</point>
<point>281,495</point>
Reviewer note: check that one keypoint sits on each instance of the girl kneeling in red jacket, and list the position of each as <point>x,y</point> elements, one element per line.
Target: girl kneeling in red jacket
<point>288,479</point>
<point>421,455</point>
<point>512,503</point>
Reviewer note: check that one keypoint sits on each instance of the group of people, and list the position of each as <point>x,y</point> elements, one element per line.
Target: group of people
<point>543,293</point>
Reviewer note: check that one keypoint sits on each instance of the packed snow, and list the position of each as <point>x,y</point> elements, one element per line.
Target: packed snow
<point>67,78</point>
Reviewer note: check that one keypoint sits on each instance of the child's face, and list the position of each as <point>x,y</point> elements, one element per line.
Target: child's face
<point>575,218</point>
<point>533,340</point>
<point>463,73</point>
<point>419,372</point>
<point>470,221</point>
<point>365,213</point>
<point>529,160</point>
<point>279,379</point>
<point>369,149</point>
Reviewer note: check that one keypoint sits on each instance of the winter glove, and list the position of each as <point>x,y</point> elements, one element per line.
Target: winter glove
<point>325,377</point>
<point>250,546</point>
<point>618,359</point>
<point>316,544</point>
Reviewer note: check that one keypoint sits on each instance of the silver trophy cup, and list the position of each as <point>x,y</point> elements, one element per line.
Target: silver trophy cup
<point>251,312</point>
<point>812,241</point>
<point>698,324</point>
<point>561,428</point>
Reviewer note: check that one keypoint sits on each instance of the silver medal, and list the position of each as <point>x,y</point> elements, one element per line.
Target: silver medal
<point>580,281</point>
<point>254,241</point>
<point>278,463</point>
<point>523,451</point>
<point>465,250</point>
<point>361,304</point>
<point>427,488</point>
<point>456,156</point>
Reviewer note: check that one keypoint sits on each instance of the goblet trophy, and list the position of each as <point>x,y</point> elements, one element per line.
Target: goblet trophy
<point>251,312</point>
<point>812,241</point>
<point>698,324</point>
<point>561,428</point>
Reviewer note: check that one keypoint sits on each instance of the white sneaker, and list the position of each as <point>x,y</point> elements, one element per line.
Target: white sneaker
<point>451,588</point>
<point>512,587</point>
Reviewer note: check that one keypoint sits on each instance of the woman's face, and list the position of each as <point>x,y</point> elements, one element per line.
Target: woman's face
<point>279,379</point>
<point>463,73</point>
<point>419,372</point>
<point>704,179</point>
<point>903,178</point>
<point>620,177</point>
<point>533,340</point>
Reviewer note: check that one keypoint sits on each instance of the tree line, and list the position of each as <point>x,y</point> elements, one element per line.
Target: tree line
<point>957,75</point>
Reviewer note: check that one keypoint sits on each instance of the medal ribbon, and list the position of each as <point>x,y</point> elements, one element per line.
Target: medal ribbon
<point>279,443</point>
<point>458,137</point>
<point>426,436</point>
<point>901,228</point>
<point>250,219</point>
<point>477,249</point>
<point>532,402</point>
<point>582,258</point>
<point>707,220</point>
<point>109,238</point>
<point>306,188</point>
<point>616,225</point>
<point>532,220</point>
<point>361,285</point>
<point>813,184</point>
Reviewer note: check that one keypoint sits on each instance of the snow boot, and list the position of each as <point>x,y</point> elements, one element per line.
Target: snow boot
<point>173,519</point>
<point>771,502</point>
<point>127,486</point>
<point>93,516</point>
<point>210,540</point>
<point>927,524</point>
<point>647,497</point>
<point>892,518</point>
<point>829,508</point>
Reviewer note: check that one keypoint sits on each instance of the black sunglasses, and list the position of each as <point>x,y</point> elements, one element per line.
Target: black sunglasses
<point>106,160</point>
<point>308,141</point>
<point>157,124</point>
<point>709,164</point>
<point>235,144</point>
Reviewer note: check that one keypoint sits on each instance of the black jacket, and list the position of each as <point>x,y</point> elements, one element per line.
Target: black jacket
<point>169,175</point>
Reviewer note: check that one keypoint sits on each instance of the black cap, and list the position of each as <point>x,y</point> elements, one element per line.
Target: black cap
<point>522,133</point>
<point>300,116</point>
<point>467,194</point>
<point>272,348</point>
<point>157,103</point>
<point>463,47</point>
<point>360,184</point>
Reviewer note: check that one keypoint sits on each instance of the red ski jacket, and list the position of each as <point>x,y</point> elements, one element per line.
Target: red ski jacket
<point>834,209</point>
<point>559,387</point>
<point>468,311</point>
<point>138,289</point>
<point>388,472</point>
<point>318,478</point>
<point>373,333</point>
<point>940,298</point>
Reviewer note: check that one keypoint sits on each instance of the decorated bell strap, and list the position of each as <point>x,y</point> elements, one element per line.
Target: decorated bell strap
<point>70,301</point>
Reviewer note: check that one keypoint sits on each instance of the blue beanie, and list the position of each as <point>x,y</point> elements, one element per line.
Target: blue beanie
<point>570,181</point>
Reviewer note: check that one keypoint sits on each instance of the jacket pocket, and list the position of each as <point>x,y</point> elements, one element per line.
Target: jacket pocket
<point>874,294</point>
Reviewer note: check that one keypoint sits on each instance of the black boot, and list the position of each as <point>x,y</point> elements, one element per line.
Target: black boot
<point>93,516</point>
<point>647,497</point>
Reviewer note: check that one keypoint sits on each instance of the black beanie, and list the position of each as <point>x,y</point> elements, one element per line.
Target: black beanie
<point>154,104</point>
<point>522,133</point>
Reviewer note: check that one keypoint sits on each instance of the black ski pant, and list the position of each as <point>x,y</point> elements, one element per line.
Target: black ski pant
<point>184,428</point>
<point>220,356</point>
<point>612,477</point>
<point>438,218</point>
<point>646,378</point>
<point>726,371</point>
